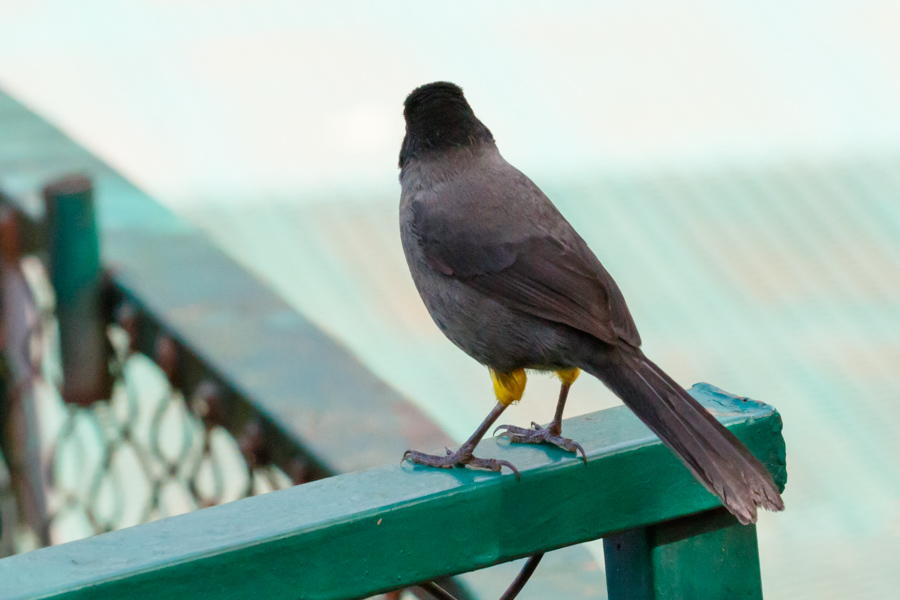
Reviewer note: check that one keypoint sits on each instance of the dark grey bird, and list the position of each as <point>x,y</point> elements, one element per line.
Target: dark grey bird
<point>512,284</point>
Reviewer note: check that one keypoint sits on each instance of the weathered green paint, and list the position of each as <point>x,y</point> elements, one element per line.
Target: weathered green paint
<point>392,526</point>
<point>709,556</point>
<point>74,263</point>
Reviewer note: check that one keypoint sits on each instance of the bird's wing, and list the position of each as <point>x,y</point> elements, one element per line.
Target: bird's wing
<point>554,277</point>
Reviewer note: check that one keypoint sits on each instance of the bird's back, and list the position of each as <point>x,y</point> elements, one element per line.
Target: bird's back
<point>482,241</point>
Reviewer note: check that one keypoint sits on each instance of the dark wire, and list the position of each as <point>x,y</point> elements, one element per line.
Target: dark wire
<point>521,579</point>
<point>437,591</point>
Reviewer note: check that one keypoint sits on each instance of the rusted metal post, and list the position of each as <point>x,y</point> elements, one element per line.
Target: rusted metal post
<point>19,428</point>
<point>74,263</point>
<point>7,502</point>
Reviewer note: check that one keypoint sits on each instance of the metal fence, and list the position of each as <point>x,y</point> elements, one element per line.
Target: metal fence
<point>144,450</point>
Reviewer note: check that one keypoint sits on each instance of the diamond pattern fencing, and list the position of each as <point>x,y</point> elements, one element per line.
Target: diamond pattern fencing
<point>146,451</point>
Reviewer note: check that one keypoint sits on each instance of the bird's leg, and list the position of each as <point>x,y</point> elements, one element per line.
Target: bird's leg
<point>509,388</point>
<point>552,434</point>
<point>464,456</point>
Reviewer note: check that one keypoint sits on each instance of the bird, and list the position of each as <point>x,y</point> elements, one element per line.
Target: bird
<point>511,283</point>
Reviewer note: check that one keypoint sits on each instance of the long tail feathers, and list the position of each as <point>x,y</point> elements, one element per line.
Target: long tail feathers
<point>712,453</point>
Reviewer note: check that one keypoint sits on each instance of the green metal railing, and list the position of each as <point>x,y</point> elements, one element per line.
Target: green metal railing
<point>394,526</point>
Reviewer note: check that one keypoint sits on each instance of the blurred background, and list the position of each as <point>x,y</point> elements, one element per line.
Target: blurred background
<point>735,166</point>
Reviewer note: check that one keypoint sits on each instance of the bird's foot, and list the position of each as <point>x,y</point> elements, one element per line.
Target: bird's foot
<point>461,457</point>
<point>540,435</point>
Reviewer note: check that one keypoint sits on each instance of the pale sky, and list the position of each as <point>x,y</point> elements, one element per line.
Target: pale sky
<point>200,100</point>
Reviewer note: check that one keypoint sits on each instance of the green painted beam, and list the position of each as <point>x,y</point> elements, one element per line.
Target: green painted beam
<point>389,527</point>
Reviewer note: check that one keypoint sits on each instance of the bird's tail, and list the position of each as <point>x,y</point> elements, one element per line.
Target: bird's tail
<point>712,453</point>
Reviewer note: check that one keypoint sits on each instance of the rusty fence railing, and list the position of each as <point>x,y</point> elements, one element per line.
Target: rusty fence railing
<point>109,420</point>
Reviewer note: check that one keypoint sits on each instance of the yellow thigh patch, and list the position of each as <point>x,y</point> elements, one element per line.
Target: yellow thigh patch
<point>568,376</point>
<point>509,387</point>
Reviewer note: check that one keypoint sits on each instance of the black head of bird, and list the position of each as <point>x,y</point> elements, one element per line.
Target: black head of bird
<point>439,118</point>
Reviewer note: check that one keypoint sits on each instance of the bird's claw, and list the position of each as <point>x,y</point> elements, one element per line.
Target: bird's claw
<point>509,430</point>
<point>577,448</point>
<point>459,458</point>
<point>494,464</point>
<point>539,435</point>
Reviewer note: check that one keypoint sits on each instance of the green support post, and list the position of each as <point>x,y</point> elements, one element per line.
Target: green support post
<point>709,556</point>
<point>77,278</point>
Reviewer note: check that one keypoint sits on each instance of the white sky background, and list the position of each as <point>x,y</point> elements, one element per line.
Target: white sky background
<point>202,101</point>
